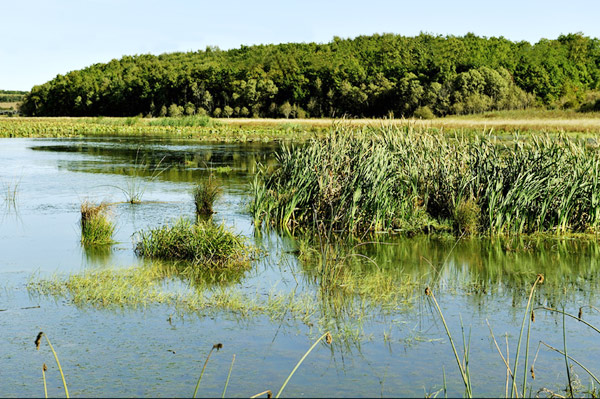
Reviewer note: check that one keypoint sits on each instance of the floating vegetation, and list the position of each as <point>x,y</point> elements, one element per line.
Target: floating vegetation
<point>205,193</point>
<point>406,180</point>
<point>96,226</point>
<point>203,244</point>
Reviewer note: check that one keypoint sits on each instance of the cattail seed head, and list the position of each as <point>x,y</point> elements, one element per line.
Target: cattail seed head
<point>44,367</point>
<point>541,278</point>
<point>580,313</point>
<point>427,291</point>
<point>217,346</point>
<point>532,316</point>
<point>38,340</point>
<point>328,338</point>
<point>532,373</point>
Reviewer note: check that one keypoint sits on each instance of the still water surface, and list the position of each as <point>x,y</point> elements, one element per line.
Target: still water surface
<point>397,351</point>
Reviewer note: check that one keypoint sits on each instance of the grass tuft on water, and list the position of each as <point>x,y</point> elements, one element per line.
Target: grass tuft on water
<point>96,226</point>
<point>205,194</point>
<point>203,244</point>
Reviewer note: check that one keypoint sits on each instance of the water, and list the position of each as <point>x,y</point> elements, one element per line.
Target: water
<point>399,350</point>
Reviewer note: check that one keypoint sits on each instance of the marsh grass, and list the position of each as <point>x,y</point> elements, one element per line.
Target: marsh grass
<point>407,180</point>
<point>205,193</point>
<point>187,121</point>
<point>11,192</point>
<point>96,226</point>
<point>203,244</point>
<point>135,186</point>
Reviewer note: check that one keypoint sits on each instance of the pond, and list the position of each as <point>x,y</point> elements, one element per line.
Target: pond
<point>388,339</point>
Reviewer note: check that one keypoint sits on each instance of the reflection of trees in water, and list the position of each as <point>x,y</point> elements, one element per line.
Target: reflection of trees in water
<point>186,164</point>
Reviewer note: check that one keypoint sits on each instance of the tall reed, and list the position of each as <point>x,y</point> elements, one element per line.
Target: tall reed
<point>407,180</point>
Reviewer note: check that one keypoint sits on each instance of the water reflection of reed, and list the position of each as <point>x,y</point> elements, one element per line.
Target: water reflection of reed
<point>390,271</point>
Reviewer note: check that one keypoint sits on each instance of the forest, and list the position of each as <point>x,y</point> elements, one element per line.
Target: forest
<point>382,75</point>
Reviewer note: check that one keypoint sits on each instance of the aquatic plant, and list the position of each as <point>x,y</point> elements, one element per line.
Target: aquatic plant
<point>11,191</point>
<point>38,341</point>
<point>96,226</point>
<point>406,180</point>
<point>204,194</point>
<point>135,186</point>
<point>203,244</point>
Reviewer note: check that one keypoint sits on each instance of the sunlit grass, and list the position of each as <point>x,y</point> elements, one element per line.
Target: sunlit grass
<point>203,244</point>
<point>96,226</point>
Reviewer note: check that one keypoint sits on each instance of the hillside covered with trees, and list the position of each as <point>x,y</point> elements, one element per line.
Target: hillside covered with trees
<point>368,76</point>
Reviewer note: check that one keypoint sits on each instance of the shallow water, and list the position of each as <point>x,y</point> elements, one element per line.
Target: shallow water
<point>397,351</point>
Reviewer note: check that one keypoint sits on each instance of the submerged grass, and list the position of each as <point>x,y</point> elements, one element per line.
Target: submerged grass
<point>96,226</point>
<point>408,180</point>
<point>202,243</point>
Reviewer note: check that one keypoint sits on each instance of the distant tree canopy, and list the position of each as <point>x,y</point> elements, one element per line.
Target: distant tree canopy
<point>368,76</point>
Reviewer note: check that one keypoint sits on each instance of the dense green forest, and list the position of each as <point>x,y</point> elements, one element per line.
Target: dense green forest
<point>368,76</point>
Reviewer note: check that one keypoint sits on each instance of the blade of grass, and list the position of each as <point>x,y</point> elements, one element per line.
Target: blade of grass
<point>566,355</point>
<point>509,373</point>
<point>464,376</point>
<point>215,346</point>
<point>328,335</point>
<point>573,360</point>
<point>267,392</point>
<point>228,375</point>
<point>44,368</point>
<point>540,279</point>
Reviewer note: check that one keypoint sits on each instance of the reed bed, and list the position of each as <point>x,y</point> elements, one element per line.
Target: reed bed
<point>410,180</point>
<point>202,244</point>
<point>180,128</point>
<point>96,226</point>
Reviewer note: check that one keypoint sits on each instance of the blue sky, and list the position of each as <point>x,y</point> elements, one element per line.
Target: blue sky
<point>43,38</point>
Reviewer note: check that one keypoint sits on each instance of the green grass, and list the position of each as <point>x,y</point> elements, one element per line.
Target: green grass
<point>188,121</point>
<point>96,226</point>
<point>205,193</point>
<point>417,180</point>
<point>203,244</point>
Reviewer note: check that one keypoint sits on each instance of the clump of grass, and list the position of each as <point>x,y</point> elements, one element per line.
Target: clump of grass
<point>96,227</point>
<point>466,217</point>
<point>203,244</point>
<point>205,194</point>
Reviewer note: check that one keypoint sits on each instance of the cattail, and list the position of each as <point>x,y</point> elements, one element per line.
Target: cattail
<point>328,338</point>
<point>44,367</point>
<point>532,372</point>
<point>427,291</point>
<point>541,278</point>
<point>38,340</point>
<point>218,346</point>
<point>532,316</point>
<point>580,313</point>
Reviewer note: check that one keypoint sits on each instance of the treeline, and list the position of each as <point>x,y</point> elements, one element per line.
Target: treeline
<point>9,96</point>
<point>369,76</point>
